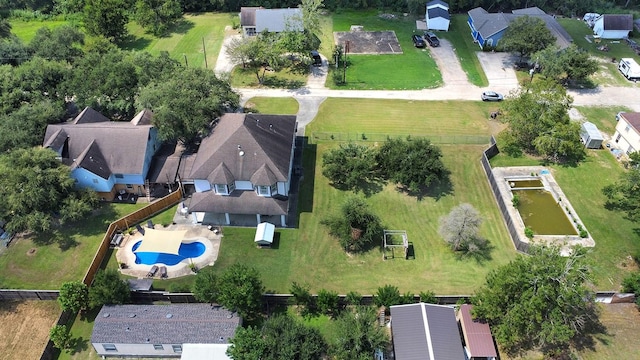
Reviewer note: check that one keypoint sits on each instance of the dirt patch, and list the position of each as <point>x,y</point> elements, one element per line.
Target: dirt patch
<point>25,327</point>
<point>32,252</point>
<point>368,42</point>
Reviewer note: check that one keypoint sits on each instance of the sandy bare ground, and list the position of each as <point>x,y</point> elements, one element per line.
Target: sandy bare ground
<point>25,326</point>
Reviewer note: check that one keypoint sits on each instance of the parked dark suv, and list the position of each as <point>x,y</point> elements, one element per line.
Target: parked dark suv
<point>418,42</point>
<point>432,39</point>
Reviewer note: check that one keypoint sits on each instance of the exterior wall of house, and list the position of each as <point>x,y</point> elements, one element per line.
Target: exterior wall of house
<point>438,24</point>
<point>244,185</point>
<point>132,179</point>
<point>143,350</point>
<point>153,144</point>
<point>626,137</point>
<point>474,33</point>
<point>87,179</point>
<point>598,29</point>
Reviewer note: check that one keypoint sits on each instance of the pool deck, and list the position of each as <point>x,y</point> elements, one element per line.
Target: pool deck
<point>201,233</point>
<point>565,242</point>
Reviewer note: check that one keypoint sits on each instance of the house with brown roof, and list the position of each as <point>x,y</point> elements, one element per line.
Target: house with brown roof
<point>109,157</point>
<point>255,20</point>
<point>162,330</point>
<point>242,170</point>
<point>627,135</point>
<point>613,26</point>
<point>478,342</point>
<point>425,332</point>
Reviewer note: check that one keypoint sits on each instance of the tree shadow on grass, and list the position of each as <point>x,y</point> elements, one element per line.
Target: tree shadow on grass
<point>481,255</point>
<point>367,187</point>
<point>277,82</point>
<point>181,26</point>
<point>593,331</point>
<point>131,42</point>
<point>78,345</point>
<point>435,191</point>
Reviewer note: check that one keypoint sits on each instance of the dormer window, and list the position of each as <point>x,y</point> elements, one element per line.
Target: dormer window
<point>224,189</point>
<point>263,190</point>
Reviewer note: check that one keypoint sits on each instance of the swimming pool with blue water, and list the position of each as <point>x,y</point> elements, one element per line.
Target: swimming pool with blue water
<point>186,250</point>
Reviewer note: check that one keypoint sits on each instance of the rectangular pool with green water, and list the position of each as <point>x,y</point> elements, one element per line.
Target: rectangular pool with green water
<point>540,212</point>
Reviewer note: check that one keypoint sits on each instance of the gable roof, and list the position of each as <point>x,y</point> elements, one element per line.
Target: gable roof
<point>488,24</point>
<point>617,21</point>
<point>633,119</point>
<point>425,331</point>
<point>246,143</point>
<point>477,334</point>
<point>277,20</point>
<point>164,324</point>
<point>437,3</point>
<point>248,16</point>
<point>101,146</point>
<point>438,12</point>
<point>529,11</point>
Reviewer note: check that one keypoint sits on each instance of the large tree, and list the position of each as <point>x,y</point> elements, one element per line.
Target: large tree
<point>108,288</point>
<point>106,18</point>
<point>460,229</point>
<point>74,296</point>
<point>358,335</point>
<point>186,104</point>
<point>355,226</point>
<point>13,51</point>
<point>543,301</point>
<point>156,16</point>
<point>570,64</point>
<point>350,166</point>
<point>25,127</point>
<point>526,35</point>
<point>281,337</point>
<point>624,195</point>
<point>414,163</point>
<point>61,43</point>
<point>34,185</point>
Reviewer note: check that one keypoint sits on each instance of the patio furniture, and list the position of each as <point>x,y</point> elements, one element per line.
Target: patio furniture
<point>150,224</point>
<point>163,272</point>
<point>152,272</point>
<point>140,229</point>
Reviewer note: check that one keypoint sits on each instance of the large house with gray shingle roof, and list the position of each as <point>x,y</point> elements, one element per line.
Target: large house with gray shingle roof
<point>242,170</point>
<point>109,157</point>
<point>160,330</point>
<point>488,28</point>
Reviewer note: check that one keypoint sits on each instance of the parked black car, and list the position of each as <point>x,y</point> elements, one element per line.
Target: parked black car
<point>418,41</point>
<point>431,38</point>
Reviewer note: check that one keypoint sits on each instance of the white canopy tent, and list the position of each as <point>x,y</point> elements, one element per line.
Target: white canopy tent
<point>264,233</point>
<point>160,241</point>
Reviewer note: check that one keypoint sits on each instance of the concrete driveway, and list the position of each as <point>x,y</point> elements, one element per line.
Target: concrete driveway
<point>449,65</point>
<point>499,69</point>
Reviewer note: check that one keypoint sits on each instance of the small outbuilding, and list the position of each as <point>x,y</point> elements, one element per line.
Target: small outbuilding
<point>591,136</point>
<point>437,15</point>
<point>613,26</point>
<point>264,234</point>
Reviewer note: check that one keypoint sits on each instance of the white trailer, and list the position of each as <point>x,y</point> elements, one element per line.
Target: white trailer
<point>629,68</point>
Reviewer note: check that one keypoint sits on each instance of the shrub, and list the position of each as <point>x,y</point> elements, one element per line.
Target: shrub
<point>301,294</point>
<point>428,297</point>
<point>584,233</point>
<point>387,295</point>
<point>328,302</point>
<point>353,298</point>
<point>528,232</point>
<point>60,337</point>
<point>515,200</point>
<point>408,297</point>
<point>631,284</point>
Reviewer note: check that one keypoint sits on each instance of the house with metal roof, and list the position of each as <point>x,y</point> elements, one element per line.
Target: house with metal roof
<point>242,170</point>
<point>613,26</point>
<point>478,342</point>
<point>627,135</point>
<point>109,157</point>
<point>254,20</point>
<point>160,330</point>
<point>488,28</point>
<point>437,15</point>
<point>425,332</point>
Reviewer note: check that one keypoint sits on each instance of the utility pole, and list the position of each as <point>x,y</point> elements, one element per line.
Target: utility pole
<point>186,63</point>
<point>204,50</point>
<point>344,71</point>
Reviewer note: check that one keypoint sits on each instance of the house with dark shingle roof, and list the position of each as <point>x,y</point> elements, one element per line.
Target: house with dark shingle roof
<point>627,135</point>
<point>160,330</point>
<point>255,20</point>
<point>478,342</point>
<point>613,26</point>
<point>488,28</point>
<point>242,170</point>
<point>109,157</point>
<point>425,332</point>
<point>437,15</point>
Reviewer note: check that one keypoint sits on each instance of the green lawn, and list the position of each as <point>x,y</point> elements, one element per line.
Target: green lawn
<point>40,263</point>
<point>604,117</point>
<point>262,105</point>
<point>287,78</point>
<point>465,49</point>
<point>413,69</point>
<point>26,30</point>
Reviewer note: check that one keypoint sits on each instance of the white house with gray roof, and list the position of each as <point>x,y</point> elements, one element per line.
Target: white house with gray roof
<point>160,330</point>
<point>425,332</point>
<point>242,170</point>
<point>255,20</point>
<point>437,15</point>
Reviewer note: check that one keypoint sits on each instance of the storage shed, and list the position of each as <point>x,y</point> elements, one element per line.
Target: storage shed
<point>437,15</point>
<point>264,234</point>
<point>591,136</point>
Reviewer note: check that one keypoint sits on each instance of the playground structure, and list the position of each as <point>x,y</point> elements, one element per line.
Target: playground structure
<point>392,240</point>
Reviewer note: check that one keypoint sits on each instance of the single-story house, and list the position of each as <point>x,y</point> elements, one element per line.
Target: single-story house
<point>627,135</point>
<point>242,170</point>
<point>425,332</point>
<point>437,15</point>
<point>610,26</point>
<point>255,20</point>
<point>591,137</point>
<point>488,28</point>
<point>478,342</point>
<point>109,157</point>
<point>160,330</point>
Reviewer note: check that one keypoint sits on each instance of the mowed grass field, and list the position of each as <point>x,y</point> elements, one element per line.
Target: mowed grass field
<point>38,262</point>
<point>24,326</point>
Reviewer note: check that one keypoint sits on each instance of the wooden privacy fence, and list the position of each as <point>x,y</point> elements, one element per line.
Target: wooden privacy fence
<point>380,137</point>
<point>126,222</point>
<point>7,295</point>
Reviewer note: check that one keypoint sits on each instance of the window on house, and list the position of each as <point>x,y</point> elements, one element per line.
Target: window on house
<point>158,347</point>
<point>262,190</point>
<point>95,181</point>
<point>221,189</point>
<point>274,189</point>
<point>177,348</point>
<point>119,176</point>
<point>231,187</point>
<point>109,347</point>
<point>627,128</point>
